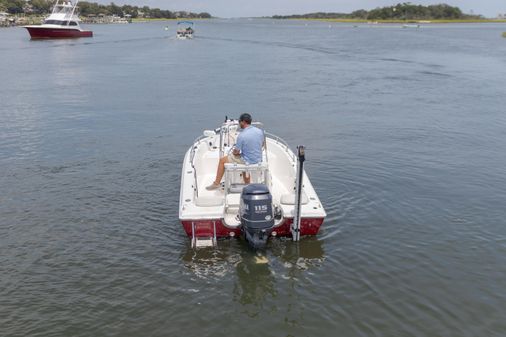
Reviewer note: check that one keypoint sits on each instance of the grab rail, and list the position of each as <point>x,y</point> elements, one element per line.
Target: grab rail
<point>192,157</point>
<point>283,142</point>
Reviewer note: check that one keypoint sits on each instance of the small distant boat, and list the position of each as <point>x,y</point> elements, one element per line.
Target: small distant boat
<point>410,25</point>
<point>120,20</point>
<point>63,23</point>
<point>185,30</point>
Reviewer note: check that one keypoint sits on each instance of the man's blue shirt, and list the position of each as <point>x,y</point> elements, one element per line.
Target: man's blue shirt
<point>250,142</point>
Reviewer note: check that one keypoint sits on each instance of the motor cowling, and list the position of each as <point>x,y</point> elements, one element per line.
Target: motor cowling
<point>256,211</point>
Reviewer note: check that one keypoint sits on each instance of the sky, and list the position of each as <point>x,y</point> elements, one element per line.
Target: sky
<point>250,8</point>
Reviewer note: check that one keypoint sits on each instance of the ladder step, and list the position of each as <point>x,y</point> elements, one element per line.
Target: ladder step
<point>232,209</point>
<point>204,236</point>
<point>204,242</point>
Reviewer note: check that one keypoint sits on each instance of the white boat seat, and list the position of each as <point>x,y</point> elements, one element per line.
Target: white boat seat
<point>208,201</point>
<point>234,182</point>
<point>233,199</point>
<point>244,167</point>
<point>236,188</point>
<point>232,204</point>
<point>289,199</point>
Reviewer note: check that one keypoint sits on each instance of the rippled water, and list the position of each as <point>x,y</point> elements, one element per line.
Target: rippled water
<point>405,136</point>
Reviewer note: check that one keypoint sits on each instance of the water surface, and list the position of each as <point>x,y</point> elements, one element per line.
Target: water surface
<point>405,137</point>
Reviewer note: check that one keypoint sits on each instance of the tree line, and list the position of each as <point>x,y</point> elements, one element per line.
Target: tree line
<point>401,11</point>
<point>41,7</point>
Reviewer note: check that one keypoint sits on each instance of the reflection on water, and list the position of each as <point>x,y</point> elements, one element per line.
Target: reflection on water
<point>256,273</point>
<point>212,263</point>
<point>309,250</point>
<point>255,281</point>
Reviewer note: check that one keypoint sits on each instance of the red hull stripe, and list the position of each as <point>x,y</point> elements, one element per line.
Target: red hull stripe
<point>57,33</point>
<point>204,228</point>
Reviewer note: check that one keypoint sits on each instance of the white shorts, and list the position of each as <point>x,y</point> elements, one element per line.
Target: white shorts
<point>235,159</point>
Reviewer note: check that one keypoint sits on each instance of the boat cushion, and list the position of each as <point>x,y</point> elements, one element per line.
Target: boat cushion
<point>208,201</point>
<point>236,188</point>
<point>233,199</point>
<point>289,199</point>
<point>246,167</point>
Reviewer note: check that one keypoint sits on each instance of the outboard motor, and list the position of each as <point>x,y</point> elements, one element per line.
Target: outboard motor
<point>257,218</point>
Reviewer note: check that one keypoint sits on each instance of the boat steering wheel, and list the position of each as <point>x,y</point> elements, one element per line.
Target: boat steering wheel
<point>230,151</point>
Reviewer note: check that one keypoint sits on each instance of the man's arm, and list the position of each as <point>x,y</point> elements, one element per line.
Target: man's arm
<point>238,146</point>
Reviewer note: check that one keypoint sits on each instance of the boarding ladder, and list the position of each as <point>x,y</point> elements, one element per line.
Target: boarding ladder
<point>204,234</point>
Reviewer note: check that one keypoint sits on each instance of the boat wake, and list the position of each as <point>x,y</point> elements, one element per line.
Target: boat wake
<point>299,46</point>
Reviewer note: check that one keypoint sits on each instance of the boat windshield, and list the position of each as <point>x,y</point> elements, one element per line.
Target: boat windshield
<point>64,7</point>
<point>185,25</point>
<point>60,23</point>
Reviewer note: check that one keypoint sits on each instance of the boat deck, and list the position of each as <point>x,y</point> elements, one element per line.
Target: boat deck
<point>216,204</point>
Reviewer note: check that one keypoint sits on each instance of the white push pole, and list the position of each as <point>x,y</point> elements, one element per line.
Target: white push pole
<point>298,193</point>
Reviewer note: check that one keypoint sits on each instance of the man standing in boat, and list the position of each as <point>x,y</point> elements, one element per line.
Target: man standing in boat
<point>248,149</point>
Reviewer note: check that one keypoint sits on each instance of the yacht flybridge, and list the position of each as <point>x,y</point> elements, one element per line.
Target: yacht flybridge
<point>62,23</point>
<point>278,201</point>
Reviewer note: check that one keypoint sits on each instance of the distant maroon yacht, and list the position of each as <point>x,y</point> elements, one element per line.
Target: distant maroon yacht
<point>63,23</point>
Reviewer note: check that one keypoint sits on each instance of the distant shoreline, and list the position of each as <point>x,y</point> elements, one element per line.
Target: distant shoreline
<point>37,20</point>
<point>339,20</point>
<point>27,20</point>
<point>137,20</point>
<point>398,21</point>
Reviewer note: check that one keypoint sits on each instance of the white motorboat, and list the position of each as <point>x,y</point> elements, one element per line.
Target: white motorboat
<point>278,201</point>
<point>410,25</point>
<point>185,30</point>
